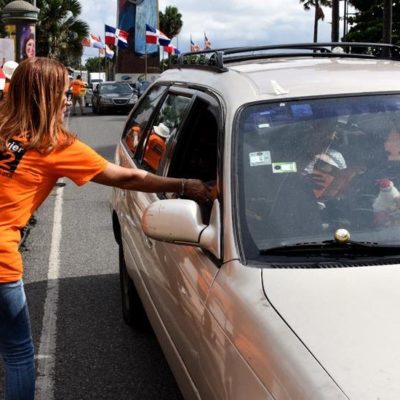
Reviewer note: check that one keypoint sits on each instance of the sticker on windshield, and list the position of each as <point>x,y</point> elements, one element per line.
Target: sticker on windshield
<point>284,167</point>
<point>260,158</point>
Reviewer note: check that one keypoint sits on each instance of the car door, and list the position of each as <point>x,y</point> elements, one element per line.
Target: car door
<point>178,277</point>
<point>129,203</point>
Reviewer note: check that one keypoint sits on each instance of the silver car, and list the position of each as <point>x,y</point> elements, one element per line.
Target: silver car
<point>287,285</point>
<point>113,96</point>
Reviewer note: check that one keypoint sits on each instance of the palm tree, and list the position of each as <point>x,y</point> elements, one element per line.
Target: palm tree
<point>319,13</point>
<point>59,31</point>
<point>335,21</point>
<point>170,24</point>
<point>170,21</point>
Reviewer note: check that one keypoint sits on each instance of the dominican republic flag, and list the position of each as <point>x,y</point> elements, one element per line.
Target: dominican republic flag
<point>171,49</point>
<point>93,41</point>
<point>116,37</point>
<point>109,53</point>
<point>106,52</point>
<point>154,36</point>
<point>96,42</point>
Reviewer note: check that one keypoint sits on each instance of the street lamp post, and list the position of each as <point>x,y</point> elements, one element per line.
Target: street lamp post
<point>335,21</point>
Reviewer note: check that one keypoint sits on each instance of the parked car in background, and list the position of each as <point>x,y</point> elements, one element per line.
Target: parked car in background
<point>113,96</point>
<point>286,285</point>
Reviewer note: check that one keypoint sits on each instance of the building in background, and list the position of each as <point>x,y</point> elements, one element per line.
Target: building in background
<point>139,58</point>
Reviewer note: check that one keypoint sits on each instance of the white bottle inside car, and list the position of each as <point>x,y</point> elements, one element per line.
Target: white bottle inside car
<point>386,199</point>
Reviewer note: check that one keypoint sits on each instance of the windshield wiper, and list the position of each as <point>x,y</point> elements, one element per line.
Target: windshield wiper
<point>333,248</point>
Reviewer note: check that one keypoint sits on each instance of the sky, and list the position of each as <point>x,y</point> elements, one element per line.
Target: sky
<point>227,23</point>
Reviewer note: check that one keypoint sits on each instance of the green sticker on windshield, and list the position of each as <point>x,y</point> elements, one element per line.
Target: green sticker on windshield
<point>284,167</point>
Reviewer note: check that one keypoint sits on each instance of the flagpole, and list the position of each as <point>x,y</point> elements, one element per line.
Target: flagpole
<point>145,61</point>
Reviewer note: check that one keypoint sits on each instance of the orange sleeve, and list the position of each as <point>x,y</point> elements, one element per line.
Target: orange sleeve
<point>78,162</point>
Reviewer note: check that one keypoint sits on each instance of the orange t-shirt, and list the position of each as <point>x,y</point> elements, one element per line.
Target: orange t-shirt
<point>26,179</point>
<point>78,88</point>
<point>154,151</point>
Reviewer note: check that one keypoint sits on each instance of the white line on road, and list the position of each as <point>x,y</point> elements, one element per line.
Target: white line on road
<point>47,347</point>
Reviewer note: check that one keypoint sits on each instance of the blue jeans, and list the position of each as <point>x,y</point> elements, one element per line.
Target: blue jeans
<point>16,346</point>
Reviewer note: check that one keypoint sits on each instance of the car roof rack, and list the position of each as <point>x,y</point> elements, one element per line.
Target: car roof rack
<point>216,60</point>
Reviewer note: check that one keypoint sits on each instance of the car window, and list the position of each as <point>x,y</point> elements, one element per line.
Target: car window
<point>195,153</point>
<point>309,167</point>
<point>122,88</point>
<point>166,123</point>
<point>139,118</point>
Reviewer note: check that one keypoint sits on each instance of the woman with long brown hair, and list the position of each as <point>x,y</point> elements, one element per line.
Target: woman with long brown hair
<point>35,151</point>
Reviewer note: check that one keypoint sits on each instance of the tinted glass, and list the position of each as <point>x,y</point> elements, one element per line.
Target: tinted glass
<point>119,88</point>
<point>166,123</point>
<point>307,168</point>
<point>140,117</point>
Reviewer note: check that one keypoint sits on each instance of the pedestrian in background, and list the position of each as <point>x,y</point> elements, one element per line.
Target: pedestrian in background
<point>37,150</point>
<point>78,89</point>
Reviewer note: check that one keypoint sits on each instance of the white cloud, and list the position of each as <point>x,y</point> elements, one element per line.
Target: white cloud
<point>226,22</point>
<point>246,22</point>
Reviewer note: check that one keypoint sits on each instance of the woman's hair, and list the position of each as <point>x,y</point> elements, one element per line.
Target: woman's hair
<point>31,36</point>
<point>34,105</point>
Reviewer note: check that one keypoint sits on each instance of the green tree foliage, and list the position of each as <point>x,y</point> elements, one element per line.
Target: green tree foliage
<point>59,31</point>
<point>170,21</point>
<point>95,64</point>
<point>367,24</point>
<point>170,24</point>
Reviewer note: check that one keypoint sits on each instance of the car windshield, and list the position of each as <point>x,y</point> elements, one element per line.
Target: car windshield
<point>118,88</point>
<point>307,168</point>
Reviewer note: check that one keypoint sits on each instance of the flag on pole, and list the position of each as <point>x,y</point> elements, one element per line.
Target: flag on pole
<point>96,42</point>
<point>93,41</point>
<point>154,36</point>
<point>193,47</point>
<point>109,53</point>
<point>207,43</point>
<point>171,49</point>
<point>86,42</point>
<point>116,37</point>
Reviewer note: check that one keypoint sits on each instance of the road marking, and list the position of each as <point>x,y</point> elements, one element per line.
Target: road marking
<point>46,354</point>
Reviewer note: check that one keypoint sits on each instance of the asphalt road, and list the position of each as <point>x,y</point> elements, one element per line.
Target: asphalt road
<point>91,353</point>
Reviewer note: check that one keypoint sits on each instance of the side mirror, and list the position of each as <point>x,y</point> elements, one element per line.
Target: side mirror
<point>179,221</point>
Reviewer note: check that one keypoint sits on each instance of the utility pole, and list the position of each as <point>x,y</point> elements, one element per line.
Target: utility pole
<point>345,18</point>
<point>387,21</point>
<point>335,21</point>
<point>387,24</point>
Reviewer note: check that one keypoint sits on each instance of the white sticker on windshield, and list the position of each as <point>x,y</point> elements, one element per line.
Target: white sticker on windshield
<point>284,167</point>
<point>260,158</point>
